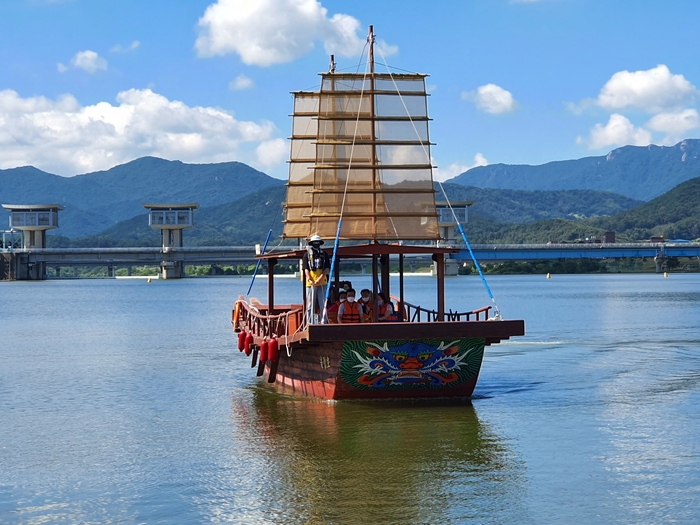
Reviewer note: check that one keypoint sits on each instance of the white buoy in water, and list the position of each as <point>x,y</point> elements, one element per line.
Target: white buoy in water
<point>149,279</point>
<point>665,274</point>
<point>549,276</point>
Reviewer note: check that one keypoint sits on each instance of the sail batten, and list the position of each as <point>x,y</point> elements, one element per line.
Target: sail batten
<point>361,151</point>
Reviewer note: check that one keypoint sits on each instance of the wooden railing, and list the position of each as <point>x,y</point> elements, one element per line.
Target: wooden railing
<point>286,321</point>
<point>282,325</point>
<point>417,314</point>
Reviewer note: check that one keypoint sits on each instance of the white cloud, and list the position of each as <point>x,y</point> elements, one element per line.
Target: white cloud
<point>61,136</point>
<point>653,90</point>
<point>89,61</point>
<point>267,32</point>
<point>619,131</point>
<point>61,68</point>
<point>492,99</point>
<point>454,169</point>
<point>271,153</point>
<point>121,49</point>
<point>675,125</point>
<point>241,82</point>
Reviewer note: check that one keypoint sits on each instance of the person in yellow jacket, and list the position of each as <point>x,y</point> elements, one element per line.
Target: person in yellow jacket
<point>316,266</point>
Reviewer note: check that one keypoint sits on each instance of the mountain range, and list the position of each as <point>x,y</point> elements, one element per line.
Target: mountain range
<point>238,204</point>
<point>97,201</point>
<point>641,173</point>
<point>247,220</point>
<point>674,215</point>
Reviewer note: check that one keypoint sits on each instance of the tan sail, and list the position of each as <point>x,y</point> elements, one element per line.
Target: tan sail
<point>361,149</point>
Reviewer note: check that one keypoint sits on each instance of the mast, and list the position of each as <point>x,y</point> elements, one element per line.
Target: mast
<point>370,39</point>
<point>361,152</point>
<point>373,133</point>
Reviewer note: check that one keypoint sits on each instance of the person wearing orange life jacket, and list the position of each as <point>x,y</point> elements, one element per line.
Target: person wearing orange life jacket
<point>366,302</point>
<point>350,311</point>
<point>333,309</point>
<point>385,310</point>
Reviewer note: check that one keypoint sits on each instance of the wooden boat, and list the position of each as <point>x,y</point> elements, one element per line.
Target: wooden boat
<point>360,172</point>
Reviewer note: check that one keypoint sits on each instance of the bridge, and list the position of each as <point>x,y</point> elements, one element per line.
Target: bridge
<point>25,261</point>
<point>530,252</point>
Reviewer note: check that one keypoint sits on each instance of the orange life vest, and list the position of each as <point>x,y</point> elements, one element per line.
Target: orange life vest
<point>392,317</point>
<point>333,313</point>
<point>351,313</point>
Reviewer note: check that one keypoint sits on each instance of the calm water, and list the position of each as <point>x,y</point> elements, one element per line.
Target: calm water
<point>124,402</point>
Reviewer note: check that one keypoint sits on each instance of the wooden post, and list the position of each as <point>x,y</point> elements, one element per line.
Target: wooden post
<point>401,309</point>
<point>375,290</point>
<point>385,275</point>
<point>440,262</point>
<point>271,285</point>
<point>303,285</point>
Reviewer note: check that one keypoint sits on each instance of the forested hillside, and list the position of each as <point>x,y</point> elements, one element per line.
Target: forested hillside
<point>96,201</point>
<point>521,206</point>
<point>247,220</point>
<point>641,173</point>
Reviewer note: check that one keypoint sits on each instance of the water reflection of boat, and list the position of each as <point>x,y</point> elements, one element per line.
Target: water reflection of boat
<point>360,170</point>
<point>430,461</point>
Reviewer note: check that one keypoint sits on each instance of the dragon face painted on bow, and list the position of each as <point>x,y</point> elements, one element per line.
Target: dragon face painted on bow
<point>412,364</point>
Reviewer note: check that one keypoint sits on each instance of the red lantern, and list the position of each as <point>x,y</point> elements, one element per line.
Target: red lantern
<point>241,341</point>
<point>273,352</point>
<point>248,347</point>
<point>264,347</point>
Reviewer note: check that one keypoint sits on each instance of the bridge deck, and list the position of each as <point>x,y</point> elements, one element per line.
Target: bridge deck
<point>196,255</point>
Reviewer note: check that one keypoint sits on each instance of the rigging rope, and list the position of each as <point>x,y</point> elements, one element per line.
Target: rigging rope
<point>257,264</point>
<point>497,314</point>
<point>345,191</point>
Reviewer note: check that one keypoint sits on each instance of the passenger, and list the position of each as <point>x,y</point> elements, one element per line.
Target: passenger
<point>366,303</point>
<point>333,309</point>
<point>385,310</point>
<point>350,311</point>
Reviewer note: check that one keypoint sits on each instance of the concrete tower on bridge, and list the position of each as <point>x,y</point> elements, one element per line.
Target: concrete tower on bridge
<point>448,228</point>
<point>171,219</point>
<point>33,220</point>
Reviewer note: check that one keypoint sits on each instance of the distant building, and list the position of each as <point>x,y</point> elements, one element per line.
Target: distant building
<point>33,220</point>
<point>171,219</point>
<point>609,237</point>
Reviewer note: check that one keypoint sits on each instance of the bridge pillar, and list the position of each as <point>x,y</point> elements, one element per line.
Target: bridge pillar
<point>58,271</point>
<point>450,267</point>
<point>170,270</point>
<point>8,268</point>
<point>660,261</point>
<point>171,219</point>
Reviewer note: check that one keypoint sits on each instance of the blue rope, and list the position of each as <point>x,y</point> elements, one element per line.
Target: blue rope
<point>478,267</point>
<point>257,265</point>
<point>335,252</point>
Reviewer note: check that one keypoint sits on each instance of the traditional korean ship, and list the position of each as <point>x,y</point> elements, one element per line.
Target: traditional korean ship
<point>361,176</point>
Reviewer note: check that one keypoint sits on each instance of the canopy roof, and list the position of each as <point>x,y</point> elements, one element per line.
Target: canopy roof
<point>364,250</point>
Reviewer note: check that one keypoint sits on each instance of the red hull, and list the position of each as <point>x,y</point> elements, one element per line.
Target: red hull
<point>374,360</point>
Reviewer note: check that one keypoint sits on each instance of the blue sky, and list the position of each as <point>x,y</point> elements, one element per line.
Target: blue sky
<point>89,84</point>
